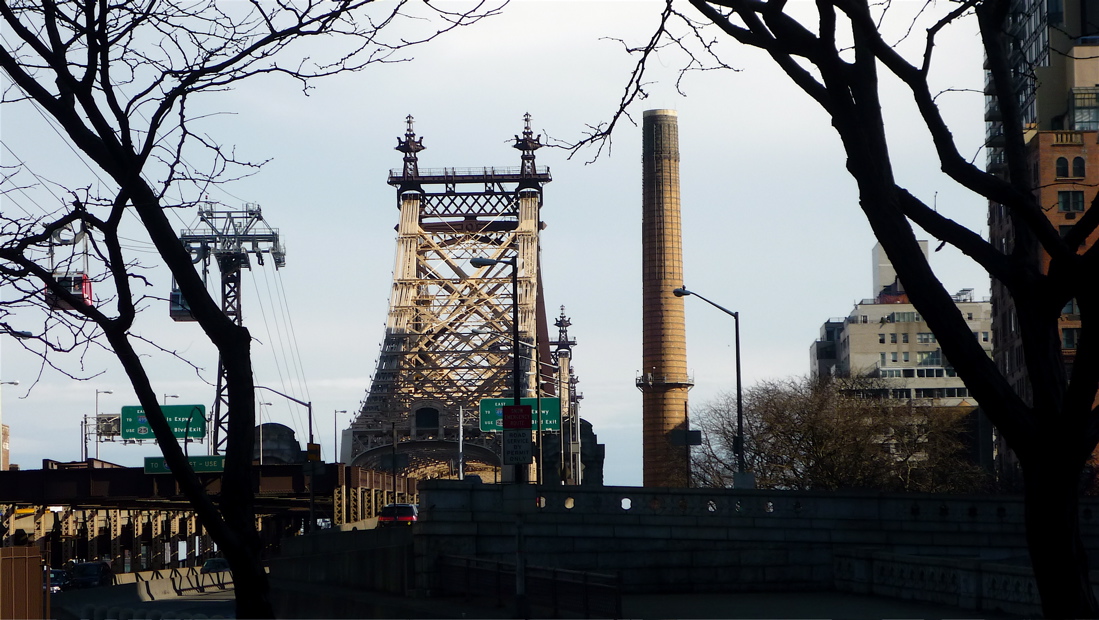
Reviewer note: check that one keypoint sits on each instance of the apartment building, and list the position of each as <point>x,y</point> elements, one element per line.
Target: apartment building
<point>886,338</point>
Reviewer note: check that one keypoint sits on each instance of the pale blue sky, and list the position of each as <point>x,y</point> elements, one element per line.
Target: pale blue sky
<point>771,222</point>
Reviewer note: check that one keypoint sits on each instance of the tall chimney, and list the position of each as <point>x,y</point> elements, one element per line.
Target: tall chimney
<point>663,381</point>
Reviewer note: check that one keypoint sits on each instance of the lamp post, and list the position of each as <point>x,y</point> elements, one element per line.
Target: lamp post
<point>335,435</point>
<point>738,445</point>
<point>167,396</point>
<point>312,451</point>
<point>520,471</point>
<point>96,419</point>
<point>260,427</point>
<point>308,406</point>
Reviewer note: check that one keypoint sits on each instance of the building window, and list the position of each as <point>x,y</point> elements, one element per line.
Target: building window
<point>1070,201</point>
<point>882,360</point>
<point>929,358</point>
<point>1069,337</point>
<point>1056,14</point>
<point>984,336</point>
<point>904,338</point>
<point>1064,230</point>
<point>893,357</point>
<point>925,338</point>
<point>893,338</point>
<point>1078,167</point>
<point>1071,307</point>
<point>904,356</point>
<point>881,338</point>
<point>1061,167</point>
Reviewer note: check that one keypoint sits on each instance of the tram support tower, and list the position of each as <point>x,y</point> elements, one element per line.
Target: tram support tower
<point>448,336</point>
<point>664,381</point>
<point>227,236</point>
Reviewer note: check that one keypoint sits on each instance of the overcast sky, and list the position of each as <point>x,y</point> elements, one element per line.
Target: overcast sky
<point>771,223</point>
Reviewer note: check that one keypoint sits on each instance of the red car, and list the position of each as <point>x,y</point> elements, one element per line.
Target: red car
<point>397,514</point>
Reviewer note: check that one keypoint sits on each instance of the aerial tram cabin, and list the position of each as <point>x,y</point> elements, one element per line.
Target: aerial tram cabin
<point>77,283</point>
<point>178,308</point>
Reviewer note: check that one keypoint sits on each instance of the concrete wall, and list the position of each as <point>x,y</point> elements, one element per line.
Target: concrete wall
<point>967,551</point>
<point>696,540</point>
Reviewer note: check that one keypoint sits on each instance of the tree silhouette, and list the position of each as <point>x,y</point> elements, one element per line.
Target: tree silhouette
<point>835,51</point>
<point>120,81</point>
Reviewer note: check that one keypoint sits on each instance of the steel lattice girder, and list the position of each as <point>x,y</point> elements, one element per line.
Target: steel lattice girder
<point>431,353</point>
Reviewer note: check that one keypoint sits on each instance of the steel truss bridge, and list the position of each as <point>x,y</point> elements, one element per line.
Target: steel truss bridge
<point>448,337</point>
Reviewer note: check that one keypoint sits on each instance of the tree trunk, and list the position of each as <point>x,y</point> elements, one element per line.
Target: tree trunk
<point>1057,551</point>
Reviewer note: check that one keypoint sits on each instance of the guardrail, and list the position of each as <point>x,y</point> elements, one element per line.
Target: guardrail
<point>592,594</point>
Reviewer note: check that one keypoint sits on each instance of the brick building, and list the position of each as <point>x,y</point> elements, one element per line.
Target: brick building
<point>1057,82</point>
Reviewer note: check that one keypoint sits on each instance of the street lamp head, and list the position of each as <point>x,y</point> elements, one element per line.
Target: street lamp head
<point>479,261</point>
<point>681,292</point>
<point>104,391</point>
<point>15,382</point>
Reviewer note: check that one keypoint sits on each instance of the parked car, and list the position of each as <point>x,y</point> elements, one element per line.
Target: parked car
<point>59,580</point>
<point>397,514</point>
<point>215,565</point>
<point>90,575</point>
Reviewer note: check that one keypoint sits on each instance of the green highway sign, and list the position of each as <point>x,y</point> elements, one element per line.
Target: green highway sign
<point>187,422</point>
<point>201,464</point>
<point>492,413</point>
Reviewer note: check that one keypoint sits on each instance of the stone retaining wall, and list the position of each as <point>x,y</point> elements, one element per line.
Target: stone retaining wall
<point>697,540</point>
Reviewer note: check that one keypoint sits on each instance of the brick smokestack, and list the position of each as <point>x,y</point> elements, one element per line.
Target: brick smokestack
<point>663,381</point>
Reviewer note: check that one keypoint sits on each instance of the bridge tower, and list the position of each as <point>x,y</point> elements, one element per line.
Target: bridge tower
<point>448,335</point>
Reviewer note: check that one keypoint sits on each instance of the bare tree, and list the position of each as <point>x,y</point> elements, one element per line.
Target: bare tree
<point>834,50</point>
<point>805,433</point>
<point>120,79</point>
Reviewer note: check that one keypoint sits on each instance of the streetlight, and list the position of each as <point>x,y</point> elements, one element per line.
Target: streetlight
<point>167,396</point>
<point>96,417</point>
<point>738,445</point>
<point>312,451</point>
<point>520,470</point>
<point>260,427</point>
<point>335,435</point>
<point>308,406</point>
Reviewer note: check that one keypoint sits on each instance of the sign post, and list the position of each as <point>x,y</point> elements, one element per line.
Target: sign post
<point>517,445</point>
